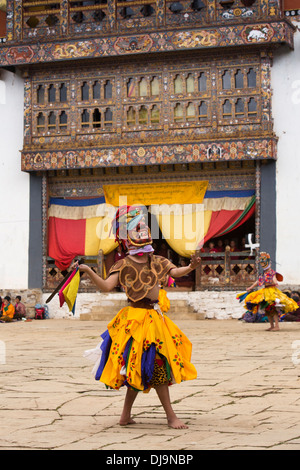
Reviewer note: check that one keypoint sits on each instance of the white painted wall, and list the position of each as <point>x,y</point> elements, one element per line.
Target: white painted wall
<point>286,112</point>
<point>14,186</point>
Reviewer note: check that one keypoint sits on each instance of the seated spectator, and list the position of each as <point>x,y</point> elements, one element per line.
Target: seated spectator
<point>233,246</point>
<point>220,247</point>
<point>8,310</point>
<point>211,248</point>
<point>20,309</point>
<point>243,245</point>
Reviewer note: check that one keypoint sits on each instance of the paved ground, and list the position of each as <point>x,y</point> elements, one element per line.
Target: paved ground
<point>246,395</point>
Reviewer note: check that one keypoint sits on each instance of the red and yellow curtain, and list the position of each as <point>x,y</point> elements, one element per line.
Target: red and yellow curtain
<point>79,228</point>
<point>188,216</point>
<point>187,228</point>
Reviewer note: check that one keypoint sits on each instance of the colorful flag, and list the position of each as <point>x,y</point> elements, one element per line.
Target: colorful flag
<point>69,290</point>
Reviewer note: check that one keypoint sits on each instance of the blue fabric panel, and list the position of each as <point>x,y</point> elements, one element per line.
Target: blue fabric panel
<point>77,202</point>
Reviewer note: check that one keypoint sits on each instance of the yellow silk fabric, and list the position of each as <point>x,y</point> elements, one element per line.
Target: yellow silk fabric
<point>98,237</point>
<point>270,294</point>
<point>145,326</point>
<point>183,232</point>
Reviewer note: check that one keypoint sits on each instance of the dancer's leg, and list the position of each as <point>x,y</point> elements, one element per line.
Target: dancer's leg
<point>164,396</point>
<point>276,321</point>
<point>126,413</point>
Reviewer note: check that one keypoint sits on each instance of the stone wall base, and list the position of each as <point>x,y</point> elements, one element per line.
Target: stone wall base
<point>220,305</point>
<point>184,305</point>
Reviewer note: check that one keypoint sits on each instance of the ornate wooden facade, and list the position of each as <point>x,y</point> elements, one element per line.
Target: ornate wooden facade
<point>132,90</point>
<point>200,109</point>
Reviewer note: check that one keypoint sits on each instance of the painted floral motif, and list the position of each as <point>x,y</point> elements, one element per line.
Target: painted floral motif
<point>178,361</point>
<point>115,348</point>
<point>177,339</point>
<point>158,344</point>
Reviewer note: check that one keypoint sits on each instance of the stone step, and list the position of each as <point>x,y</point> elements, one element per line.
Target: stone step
<point>179,310</point>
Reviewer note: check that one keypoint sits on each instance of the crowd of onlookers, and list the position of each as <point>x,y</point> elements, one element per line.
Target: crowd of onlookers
<point>220,246</point>
<point>10,311</point>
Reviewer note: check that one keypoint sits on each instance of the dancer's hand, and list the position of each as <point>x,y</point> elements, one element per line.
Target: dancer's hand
<point>195,262</point>
<point>82,267</point>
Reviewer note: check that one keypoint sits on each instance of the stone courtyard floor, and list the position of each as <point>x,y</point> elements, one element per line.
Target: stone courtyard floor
<point>246,395</point>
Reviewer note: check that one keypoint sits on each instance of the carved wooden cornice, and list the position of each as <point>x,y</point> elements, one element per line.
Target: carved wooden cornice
<point>223,36</point>
<point>136,155</point>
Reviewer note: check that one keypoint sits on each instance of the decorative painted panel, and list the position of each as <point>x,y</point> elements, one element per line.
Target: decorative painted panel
<point>257,34</point>
<point>132,155</point>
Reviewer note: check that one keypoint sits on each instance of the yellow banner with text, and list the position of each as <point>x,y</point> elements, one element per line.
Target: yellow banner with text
<point>187,192</point>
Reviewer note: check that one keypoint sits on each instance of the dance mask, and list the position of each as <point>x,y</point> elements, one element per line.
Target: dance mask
<point>264,260</point>
<point>131,230</point>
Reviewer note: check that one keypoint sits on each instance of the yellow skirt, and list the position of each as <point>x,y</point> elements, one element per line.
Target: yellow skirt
<point>133,342</point>
<point>271,296</point>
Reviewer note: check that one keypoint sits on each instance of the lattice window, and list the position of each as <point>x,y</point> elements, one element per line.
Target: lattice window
<point>252,108</point>
<point>40,95</point>
<point>85,91</point>
<point>96,90</point>
<point>178,113</point>
<point>203,116</point>
<point>227,109</point>
<point>239,79</point>
<point>239,108</point>
<point>143,115</point>
<point>63,93</point>
<point>143,89</point>
<point>108,118</point>
<point>251,78</point>
<point>130,87</point>
<point>51,93</point>
<point>131,116</point>
<point>226,80</point>
<point>202,83</point>
<point>178,85</point>
<point>40,123</point>
<point>190,83</point>
<point>85,118</point>
<point>108,89</point>
<point>155,115</point>
<point>52,122</point>
<point>96,119</point>
<point>190,112</point>
<point>154,86</point>
<point>63,121</point>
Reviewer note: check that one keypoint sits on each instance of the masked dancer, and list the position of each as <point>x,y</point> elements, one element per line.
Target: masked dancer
<point>268,299</point>
<point>142,348</point>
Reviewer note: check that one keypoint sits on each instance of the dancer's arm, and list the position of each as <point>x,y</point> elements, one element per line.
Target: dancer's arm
<point>105,285</point>
<point>252,287</point>
<point>179,272</point>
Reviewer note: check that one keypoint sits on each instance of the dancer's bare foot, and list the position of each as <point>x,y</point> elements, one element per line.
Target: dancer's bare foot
<point>125,422</point>
<point>175,423</point>
<point>276,328</point>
